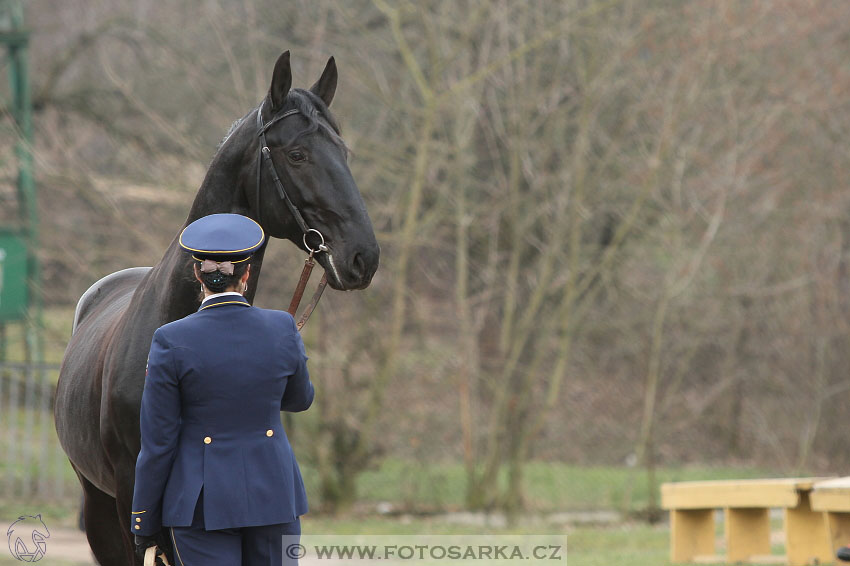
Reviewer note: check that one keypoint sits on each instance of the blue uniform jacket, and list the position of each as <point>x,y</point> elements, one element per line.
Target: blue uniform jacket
<point>215,385</point>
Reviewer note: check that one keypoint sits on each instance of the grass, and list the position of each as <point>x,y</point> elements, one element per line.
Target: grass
<point>636,545</point>
<point>550,486</point>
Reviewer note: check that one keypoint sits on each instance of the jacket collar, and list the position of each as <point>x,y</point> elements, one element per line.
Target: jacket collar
<point>224,300</point>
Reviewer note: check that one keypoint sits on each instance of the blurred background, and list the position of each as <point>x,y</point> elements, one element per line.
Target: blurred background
<point>615,238</point>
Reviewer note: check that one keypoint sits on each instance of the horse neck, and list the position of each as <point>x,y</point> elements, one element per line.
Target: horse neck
<point>224,189</point>
<point>226,185</point>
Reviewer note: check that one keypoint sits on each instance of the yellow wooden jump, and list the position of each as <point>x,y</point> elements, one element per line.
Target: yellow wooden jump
<point>832,498</point>
<point>746,505</point>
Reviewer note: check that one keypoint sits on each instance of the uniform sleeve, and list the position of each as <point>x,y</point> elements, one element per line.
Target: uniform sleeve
<point>160,423</point>
<point>298,395</point>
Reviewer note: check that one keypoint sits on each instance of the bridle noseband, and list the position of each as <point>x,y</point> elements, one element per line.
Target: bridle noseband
<point>265,154</point>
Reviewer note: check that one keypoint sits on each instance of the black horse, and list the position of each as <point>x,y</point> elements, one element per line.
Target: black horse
<point>102,375</point>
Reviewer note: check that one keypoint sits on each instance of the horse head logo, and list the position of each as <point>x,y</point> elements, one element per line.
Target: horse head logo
<point>27,538</point>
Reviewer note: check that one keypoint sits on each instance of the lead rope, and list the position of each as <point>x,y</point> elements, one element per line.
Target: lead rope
<point>308,310</point>
<point>265,155</point>
<point>302,284</point>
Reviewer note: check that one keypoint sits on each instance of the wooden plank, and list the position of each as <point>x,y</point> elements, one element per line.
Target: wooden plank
<point>807,538</point>
<point>832,495</point>
<point>780,492</point>
<point>747,533</point>
<point>691,534</point>
<point>831,500</point>
<point>834,483</point>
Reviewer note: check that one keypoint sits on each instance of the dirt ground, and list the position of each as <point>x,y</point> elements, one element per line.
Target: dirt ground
<point>65,547</point>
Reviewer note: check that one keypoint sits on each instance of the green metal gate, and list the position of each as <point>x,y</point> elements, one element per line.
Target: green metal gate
<point>20,284</point>
<point>13,277</point>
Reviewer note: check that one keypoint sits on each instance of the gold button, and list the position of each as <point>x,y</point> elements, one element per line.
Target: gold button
<point>138,519</point>
<point>270,432</point>
<point>207,440</point>
<point>138,527</point>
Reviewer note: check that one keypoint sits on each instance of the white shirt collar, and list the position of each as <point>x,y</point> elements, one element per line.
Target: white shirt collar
<point>214,295</point>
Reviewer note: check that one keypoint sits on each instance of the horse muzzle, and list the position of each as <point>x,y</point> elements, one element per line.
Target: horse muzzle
<point>352,270</point>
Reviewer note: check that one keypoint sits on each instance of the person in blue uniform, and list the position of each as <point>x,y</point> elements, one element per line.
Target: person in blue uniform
<point>216,473</point>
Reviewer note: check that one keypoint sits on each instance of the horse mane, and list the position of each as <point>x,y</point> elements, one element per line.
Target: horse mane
<point>233,127</point>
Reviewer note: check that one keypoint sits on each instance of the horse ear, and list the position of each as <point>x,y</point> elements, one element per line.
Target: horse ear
<point>281,81</point>
<point>325,87</point>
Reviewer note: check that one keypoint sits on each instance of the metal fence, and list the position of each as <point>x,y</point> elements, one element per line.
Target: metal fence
<point>32,463</point>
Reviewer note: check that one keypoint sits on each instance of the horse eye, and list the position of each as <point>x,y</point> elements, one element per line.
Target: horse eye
<point>297,156</point>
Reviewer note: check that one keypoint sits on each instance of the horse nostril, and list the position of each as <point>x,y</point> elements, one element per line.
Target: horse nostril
<point>358,266</point>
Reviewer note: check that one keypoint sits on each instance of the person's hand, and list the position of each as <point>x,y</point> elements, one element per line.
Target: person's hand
<point>159,540</point>
<point>142,544</point>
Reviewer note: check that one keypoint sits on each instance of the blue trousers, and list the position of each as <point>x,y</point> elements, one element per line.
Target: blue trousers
<point>246,546</point>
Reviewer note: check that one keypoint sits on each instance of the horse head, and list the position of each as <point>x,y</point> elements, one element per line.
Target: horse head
<point>309,157</point>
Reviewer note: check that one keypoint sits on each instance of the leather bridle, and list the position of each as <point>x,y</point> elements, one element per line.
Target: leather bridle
<point>265,155</point>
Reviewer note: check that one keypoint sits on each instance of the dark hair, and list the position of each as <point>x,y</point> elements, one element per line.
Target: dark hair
<point>218,282</point>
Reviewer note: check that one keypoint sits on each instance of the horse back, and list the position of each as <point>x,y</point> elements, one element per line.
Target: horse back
<point>124,280</point>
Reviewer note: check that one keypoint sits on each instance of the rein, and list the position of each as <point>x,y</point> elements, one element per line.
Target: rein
<point>265,155</point>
